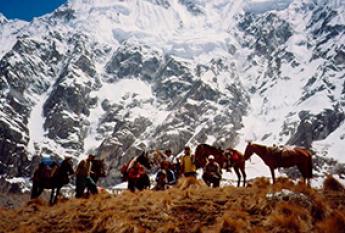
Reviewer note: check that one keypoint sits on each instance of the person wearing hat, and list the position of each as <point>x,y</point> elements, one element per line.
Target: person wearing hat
<point>83,178</point>
<point>212,172</point>
<point>187,163</point>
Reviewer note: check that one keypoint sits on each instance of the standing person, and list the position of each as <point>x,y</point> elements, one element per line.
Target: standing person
<point>187,163</point>
<point>136,175</point>
<point>169,156</point>
<point>212,172</point>
<point>174,165</point>
<point>83,178</point>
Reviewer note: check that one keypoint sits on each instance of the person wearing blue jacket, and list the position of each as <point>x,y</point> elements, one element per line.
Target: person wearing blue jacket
<point>165,176</point>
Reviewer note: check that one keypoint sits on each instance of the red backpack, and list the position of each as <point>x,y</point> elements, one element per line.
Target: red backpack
<point>235,156</point>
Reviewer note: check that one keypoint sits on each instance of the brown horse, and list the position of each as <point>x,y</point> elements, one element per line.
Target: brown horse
<point>156,157</point>
<point>202,151</point>
<point>55,182</point>
<point>275,157</point>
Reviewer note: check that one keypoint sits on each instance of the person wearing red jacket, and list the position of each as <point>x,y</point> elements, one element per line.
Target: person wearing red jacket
<point>135,172</point>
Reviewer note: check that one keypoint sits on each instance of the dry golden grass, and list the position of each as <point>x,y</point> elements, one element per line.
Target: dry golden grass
<point>334,223</point>
<point>189,207</point>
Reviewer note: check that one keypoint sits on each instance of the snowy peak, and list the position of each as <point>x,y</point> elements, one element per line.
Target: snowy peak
<point>3,19</point>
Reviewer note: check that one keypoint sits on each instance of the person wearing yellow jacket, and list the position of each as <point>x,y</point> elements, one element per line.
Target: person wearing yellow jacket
<point>187,163</point>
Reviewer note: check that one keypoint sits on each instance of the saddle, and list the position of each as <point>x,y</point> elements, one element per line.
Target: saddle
<point>48,171</point>
<point>282,151</point>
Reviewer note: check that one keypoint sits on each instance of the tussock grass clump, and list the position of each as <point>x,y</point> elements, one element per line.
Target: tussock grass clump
<point>331,184</point>
<point>261,183</point>
<point>289,216</point>
<point>335,223</point>
<point>231,224</point>
<point>190,206</point>
<point>284,183</point>
<point>320,208</point>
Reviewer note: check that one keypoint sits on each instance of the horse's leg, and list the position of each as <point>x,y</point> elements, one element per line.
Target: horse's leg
<point>147,182</point>
<point>273,176</point>
<point>131,185</point>
<point>52,197</point>
<point>39,191</point>
<point>216,183</point>
<point>243,175</point>
<point>34,190</point>
<point>308,170</point>
<point>79,187</point>
<point>57,194</point>
<point>143,182</point>
<point>238,176</point>
<point>303,171</point>
<point>139,184</point>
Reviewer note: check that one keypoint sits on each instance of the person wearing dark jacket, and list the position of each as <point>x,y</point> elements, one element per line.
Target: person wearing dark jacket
<point>83,178</point>
<point>212,172</point>
<point>165,176</point>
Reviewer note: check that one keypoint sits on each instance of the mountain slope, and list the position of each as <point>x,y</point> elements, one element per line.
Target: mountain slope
<point>119,76</point>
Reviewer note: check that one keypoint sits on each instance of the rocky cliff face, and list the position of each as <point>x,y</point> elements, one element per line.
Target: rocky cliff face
<point>117,77</point>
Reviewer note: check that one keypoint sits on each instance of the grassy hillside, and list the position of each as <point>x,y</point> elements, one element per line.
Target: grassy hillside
<point>191,207</point>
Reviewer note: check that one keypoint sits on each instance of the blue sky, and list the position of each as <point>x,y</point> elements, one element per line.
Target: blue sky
<point>27,9</point>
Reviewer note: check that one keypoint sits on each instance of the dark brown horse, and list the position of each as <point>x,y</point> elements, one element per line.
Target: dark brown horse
<point>202,151</point>
<point>275,157</point>
<point>98,169</point>
<point>40,180</point>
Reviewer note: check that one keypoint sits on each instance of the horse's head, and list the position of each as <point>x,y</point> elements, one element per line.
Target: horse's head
<point>249,151</point>
<point>144,160</point>
<point>67,166</point>
<point>155,157</point>
<point>99,167</point>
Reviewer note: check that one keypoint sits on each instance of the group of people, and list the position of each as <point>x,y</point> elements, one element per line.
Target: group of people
<point>185,166</point>
<point>167,175</point>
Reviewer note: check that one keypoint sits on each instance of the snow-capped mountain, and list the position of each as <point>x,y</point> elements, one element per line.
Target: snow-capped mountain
<point>117,76</point>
